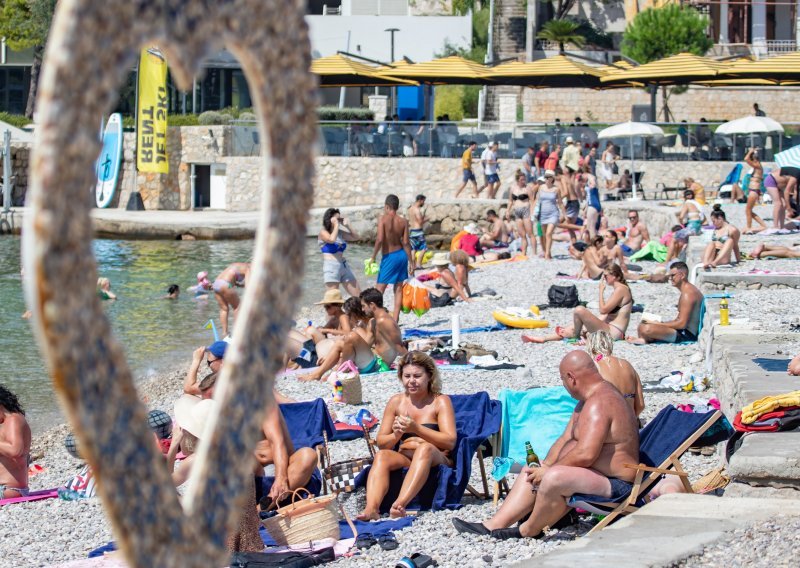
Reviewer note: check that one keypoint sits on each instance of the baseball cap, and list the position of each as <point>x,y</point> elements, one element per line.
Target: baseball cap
<point>217,349</point>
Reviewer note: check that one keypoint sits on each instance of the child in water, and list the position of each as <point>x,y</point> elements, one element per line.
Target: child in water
<point>203,286</point>
<point>104,289</point>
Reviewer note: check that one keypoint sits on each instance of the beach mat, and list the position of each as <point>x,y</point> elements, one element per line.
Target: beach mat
<point>410,333</point>
<point>517,258</point>
<point>32,496</point>
<point>772,365</point>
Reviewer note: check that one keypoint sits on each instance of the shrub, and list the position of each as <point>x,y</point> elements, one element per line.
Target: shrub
<point>336,113</point>
<point>18,120</point>
<point>211,117</point>
<point>182,120</point>
<point>247,117</point>
<point>450,100</point>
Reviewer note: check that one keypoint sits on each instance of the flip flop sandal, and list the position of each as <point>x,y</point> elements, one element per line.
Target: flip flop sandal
<point>416,560</point>
<point>365,540</point>
<point>388,541</point>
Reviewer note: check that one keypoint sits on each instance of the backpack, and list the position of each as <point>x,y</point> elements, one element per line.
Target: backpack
<point>563,296</point>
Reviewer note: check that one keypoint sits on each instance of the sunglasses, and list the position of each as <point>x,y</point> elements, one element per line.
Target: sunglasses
<point>633,218</point>
<point>209,361</point>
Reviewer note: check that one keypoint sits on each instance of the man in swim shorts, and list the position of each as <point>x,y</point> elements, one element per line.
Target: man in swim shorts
<point>15,446</point>
<point>589,458</point>
<point>392,240</point>
<point>686,326</point>
<point>416,233</point>
<point>637,236</point>
<point>497,235</point>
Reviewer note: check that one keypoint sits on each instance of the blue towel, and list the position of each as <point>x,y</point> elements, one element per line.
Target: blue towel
<point>538,416</point>
<point>414,332</point>
<point>477,418</point>
<point>306,421</point>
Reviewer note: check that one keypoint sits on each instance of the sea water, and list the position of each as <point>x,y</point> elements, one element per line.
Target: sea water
<point>155,333</point>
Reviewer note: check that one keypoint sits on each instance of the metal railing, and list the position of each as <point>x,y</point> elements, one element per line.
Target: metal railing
<point>680,141</point>
<point>776,46</point>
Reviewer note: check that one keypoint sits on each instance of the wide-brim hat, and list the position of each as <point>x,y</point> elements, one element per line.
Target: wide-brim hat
<point>549,173</point>
<point>192,413</point>
<point>472,228</point>
<point>440,259</point>
<point>331,297</point>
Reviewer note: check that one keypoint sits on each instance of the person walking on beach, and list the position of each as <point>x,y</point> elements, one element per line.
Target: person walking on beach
<point>490,169</point>
<point>528,167</point>
<point>393,242</point>
<point>601,436</point>
<point>15,446</point>
<point>467,175</point>
<point>332,241</point>
<point>540,158</point>
<point>416,233</point>
<point>686,326</point>
<point>234,276</point>
<point>754,187</point>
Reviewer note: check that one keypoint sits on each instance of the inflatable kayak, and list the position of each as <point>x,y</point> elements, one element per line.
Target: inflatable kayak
<point>520,318</point>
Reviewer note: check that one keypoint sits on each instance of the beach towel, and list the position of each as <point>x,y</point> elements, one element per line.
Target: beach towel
<point>411,332</point>
<point>538,416</point>
<point>753,411</point>
<point>650,251</point>
<point>477,418</point>
<point>32,496</point>
<point>517,258</point>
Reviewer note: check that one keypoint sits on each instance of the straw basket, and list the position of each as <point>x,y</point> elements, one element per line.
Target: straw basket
<point>351,389</point>
<point>712,481</point>
<point>305,520</point>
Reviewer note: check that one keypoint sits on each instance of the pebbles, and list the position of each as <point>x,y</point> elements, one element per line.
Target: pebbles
<point>44,532</point>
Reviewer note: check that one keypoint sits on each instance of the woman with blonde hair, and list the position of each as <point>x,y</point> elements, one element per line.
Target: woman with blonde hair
<point>616,371</point>
<point>418,431</point>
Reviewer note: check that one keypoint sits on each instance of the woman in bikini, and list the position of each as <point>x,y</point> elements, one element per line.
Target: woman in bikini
<point>520,198</point>
<point>616,371</point>
<point>449,284</point>
<point>593,260</point>
<point>234,276</point>
<point>724,245</point>
<point>418,431</point>
<point>611,250</point>
<point>332,241</point>
<point>692,217</point>
<point>615,312</point>
<point>753,191</point>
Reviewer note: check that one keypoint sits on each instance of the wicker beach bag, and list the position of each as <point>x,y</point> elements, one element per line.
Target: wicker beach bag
<point>348,376</point>
<point>341,476</point>
<point>304,520</point>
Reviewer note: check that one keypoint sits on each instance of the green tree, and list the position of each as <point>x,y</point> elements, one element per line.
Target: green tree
<point>661,32</point>
<point>562,32</point>
<point>25,24</point>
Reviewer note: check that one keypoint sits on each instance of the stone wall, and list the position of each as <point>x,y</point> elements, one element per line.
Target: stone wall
<point>614,105</point>
<point>20,160</point>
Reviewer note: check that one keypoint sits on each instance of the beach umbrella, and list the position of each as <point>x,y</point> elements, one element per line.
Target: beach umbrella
<point>554,72</point>
<point>783,69</point>
<point>788,158</point>
<point>453,70</point>
<point>631,130</point>
<point>340,71</point>
<point>750,125</point>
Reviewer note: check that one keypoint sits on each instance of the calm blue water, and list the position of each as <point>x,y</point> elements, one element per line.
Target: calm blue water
<point>155,333</point>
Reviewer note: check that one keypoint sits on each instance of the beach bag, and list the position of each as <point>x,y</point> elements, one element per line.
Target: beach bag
<point>563,296</point>
<point>292,559</point>
<point>346,383</point>
<point>341,476</point>
<point>304,520</point>
<point>83,484</point>
<point>614,168</point>
<point>415,297</point>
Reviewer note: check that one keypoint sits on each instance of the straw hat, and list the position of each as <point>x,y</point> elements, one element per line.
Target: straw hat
<point>332,296</point>
<point>440,259</point>
<point>192,413</point>
<point>472,228</point>
<point>549,173</point>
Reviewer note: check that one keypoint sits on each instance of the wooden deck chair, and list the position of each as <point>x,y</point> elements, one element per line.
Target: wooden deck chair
<point>661,444</point>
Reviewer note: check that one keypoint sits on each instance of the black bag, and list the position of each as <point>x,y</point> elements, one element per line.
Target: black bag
<point>614,168</point>
<point>563,296</point>
<point>284,559</point>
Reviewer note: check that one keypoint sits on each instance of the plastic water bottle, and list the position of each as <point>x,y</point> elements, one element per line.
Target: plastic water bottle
<point>455,325</point>
<point>724,314</point>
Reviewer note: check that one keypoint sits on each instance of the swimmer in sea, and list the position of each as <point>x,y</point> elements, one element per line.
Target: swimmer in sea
<point>173,292</point>
<point>203,287</point>
<point>234,276</point>
<point>104,289</point>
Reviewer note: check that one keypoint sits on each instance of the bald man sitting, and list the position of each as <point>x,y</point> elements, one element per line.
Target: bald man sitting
<point>602,435</point>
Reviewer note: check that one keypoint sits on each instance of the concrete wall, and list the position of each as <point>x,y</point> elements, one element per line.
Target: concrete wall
<point>718,103</point>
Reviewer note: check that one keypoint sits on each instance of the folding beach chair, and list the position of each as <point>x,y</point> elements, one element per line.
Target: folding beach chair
<point>661,444</point>
<point>538,416</point>
<point>477,420</point>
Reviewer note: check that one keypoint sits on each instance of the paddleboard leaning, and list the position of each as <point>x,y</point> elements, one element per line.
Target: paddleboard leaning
<point>107,165</point>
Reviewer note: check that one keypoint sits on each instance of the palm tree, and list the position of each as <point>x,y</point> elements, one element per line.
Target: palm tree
<point>561,32</point>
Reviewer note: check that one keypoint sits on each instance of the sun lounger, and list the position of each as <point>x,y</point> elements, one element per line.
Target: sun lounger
<point>661,444</point>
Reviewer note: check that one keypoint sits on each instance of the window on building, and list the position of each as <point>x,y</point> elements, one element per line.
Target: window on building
<point>14,86</point>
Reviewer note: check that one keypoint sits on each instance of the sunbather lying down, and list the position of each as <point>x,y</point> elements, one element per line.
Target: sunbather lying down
<point>776,251</point>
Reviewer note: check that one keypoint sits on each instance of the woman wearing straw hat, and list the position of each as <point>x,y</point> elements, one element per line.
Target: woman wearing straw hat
<point>192,414</point>
<point>332,241</point>
<point>449,284</point>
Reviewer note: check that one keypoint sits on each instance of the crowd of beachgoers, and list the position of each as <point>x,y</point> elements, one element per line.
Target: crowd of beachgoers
<point>610,352</point>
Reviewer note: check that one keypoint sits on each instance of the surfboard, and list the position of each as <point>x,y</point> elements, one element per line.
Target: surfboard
<point>108,163</point>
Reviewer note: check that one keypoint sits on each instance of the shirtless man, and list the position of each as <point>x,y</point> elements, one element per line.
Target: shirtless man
<point>15,446</point>
<point>388,338</point>
<point>602,435</point>
<point>416,234</point>
<point>497,235</point>
<point>574,194</point>
<point>213,355</point>
<point>686,326</point>
<point>392,241</point>
<point>638,234</point>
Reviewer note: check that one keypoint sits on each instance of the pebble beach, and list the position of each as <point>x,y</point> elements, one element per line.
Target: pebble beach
<point>54,531</point>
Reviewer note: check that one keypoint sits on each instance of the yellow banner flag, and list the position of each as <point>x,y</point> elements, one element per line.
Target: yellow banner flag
<point>151,114</point>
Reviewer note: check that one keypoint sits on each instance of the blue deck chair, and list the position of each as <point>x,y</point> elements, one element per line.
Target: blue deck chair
<point>661,444</point>
<point>305,421</point>
<point>477,419</point>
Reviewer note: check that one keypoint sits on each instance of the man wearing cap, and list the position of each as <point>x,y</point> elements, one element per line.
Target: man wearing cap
<point>489,163</point>
<point>213,355</point>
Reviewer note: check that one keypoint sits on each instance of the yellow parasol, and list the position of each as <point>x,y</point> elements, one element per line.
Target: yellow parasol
<point>678,69</point>
<point>555,72</point>
<point>453,70</point>
<point>340,71</point>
